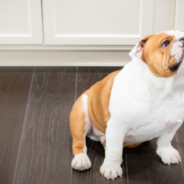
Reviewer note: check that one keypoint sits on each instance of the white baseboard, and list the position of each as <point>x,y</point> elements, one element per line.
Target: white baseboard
<point>63,58</point>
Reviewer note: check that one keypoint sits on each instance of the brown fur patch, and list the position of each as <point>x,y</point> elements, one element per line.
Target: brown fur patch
<point>98,105</point>
<point>159,59</point>
<point>130,145</point>
<point>77,126</point>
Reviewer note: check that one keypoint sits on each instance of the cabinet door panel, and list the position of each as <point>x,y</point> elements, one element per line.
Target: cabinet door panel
<point>20,22</point>
<point>164,15</point>
<point>97,22</point>
<point>179,17</point>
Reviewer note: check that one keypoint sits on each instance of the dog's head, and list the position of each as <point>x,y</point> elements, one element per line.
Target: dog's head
<point>163,52</point>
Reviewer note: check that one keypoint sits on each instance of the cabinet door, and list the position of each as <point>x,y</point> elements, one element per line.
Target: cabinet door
<point>179,17</point>
<point>97,22</point>
<point>20,22</point>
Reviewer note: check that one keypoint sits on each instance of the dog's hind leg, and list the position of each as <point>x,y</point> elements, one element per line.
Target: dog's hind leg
<point>80,125</point>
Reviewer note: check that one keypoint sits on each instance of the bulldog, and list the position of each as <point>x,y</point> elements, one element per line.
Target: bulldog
<point>142,101</point>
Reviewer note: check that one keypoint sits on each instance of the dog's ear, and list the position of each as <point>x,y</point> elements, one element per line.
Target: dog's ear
<point>137,50</point>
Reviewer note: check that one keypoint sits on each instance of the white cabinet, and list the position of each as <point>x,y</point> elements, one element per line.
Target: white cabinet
<point>20,22</point>
<point>85,24</point>
<point>164,15</point>
<point>80,32</point>
<point>179,18</point>
<point>97,22</point>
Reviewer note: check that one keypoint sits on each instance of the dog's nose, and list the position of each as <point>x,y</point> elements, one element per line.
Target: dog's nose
<point>182,40</point>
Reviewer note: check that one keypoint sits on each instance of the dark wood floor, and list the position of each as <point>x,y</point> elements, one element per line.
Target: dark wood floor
<point>35,141</point>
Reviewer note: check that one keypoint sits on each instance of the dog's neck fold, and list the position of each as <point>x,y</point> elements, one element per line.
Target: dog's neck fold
<point>164,85</point>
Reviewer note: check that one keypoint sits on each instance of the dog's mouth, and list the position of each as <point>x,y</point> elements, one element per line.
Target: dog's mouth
<point>175,67</point>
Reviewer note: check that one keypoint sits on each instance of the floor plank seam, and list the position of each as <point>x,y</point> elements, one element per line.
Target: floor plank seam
<point>126,166</point>
<point>76,83</point>
<point>177,149</point>
<point>76,79</point>
<point>26,112</point>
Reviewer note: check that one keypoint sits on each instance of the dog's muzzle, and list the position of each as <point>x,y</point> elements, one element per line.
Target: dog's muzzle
<point>182,40</point>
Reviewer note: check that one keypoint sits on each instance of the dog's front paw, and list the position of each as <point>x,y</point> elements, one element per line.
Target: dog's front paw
<point>111,171</point>
<point>81,162</point>
<point>169,155</point>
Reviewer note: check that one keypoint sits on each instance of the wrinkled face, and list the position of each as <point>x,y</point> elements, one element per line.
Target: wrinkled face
<point>163,52</point>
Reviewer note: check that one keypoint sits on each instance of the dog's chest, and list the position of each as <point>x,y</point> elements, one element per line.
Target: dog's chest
<point>147,124</point>
<point>146,119</point>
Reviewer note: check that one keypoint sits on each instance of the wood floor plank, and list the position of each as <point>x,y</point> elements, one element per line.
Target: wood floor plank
<point>180,144</point>
<point>86,77</point>
<point>14,91</point>
<point>145,167</point>
<point>45,149</point>
<point>148,169</point>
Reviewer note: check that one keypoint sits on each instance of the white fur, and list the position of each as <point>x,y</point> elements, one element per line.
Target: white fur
<point>178,34</point>
<point>81,162</point>
<point>143,107</point>
<point>87,119</point>
<point>169,155</point>
<point>111,171</point>
<point>85,108</point>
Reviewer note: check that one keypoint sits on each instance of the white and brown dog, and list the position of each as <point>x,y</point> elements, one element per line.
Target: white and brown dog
<point>142,101</point>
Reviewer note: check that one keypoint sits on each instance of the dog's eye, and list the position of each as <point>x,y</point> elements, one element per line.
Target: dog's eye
<point>166,43</point>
